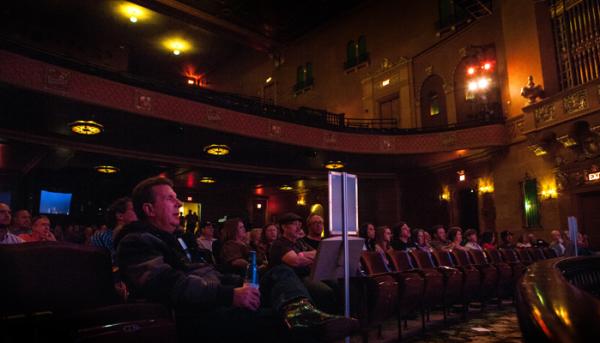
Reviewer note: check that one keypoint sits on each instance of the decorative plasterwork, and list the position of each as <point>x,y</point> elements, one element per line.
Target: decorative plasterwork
<point>544,114</point>
<point>576,102</point>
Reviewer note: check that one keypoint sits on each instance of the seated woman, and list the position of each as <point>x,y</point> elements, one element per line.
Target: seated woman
<point>288,250</point>
<point>40,230</point>
<point>268,235</point>
<point>455,237</point>
<point>524,241</point>
<point>235,251</point>
<point>421,240</point>
<point>488,240</point>
<point>367,231</point>
<point>383,238</point>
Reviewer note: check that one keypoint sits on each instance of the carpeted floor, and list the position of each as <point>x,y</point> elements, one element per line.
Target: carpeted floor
<point>495,325</point>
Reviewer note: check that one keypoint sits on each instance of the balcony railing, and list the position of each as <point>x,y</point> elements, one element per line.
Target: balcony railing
<point>250,105</point>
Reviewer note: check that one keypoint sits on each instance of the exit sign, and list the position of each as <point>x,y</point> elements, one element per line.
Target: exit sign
<point>594,176</point>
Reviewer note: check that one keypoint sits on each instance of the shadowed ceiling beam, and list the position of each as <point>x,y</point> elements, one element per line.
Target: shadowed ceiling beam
<point>210,22</point>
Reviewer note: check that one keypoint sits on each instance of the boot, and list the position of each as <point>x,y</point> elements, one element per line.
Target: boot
<point>302,316</point>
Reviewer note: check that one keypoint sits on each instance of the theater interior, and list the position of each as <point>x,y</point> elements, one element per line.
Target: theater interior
<point>470,114</point>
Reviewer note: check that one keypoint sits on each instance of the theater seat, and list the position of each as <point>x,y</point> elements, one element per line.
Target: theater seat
<point>489,274</point>
<point>410,285</point>
<point>452,277</point>
<point>433,292</point>
<point>56,289</point>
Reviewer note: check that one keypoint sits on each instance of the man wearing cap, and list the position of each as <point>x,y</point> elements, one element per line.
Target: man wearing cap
<point>290,250</point>
<point>208,305</point>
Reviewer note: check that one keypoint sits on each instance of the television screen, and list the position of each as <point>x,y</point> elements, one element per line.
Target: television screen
<point>55,203</point>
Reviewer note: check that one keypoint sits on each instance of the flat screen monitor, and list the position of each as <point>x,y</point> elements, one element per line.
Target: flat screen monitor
<point>55,203</point>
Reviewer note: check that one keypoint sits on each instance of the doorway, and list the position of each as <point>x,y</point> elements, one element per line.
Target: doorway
<point>468,209</point>
<point>590,217</point>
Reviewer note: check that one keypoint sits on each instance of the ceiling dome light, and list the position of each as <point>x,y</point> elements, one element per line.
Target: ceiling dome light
<point>176,45</point>
<point>106,169</point>
<point>286,188</point>
<point>217,149</point>
<point>207,179</point>
<point>334,165</point>
<point>86,127</point>
<point>133,12</point>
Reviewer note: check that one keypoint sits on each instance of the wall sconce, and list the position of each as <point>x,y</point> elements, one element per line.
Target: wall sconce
<point>548,189</point>
<point>461,175</point>
<point>486,185</point>
<point>301,200</point>
<point>538,150</point>
<point>445,195</point>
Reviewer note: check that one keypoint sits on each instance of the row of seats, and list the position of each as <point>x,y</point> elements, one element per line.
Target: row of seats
<point>423,280</point>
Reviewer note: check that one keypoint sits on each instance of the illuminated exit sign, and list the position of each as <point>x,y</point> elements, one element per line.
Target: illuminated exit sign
<point>594,176</point>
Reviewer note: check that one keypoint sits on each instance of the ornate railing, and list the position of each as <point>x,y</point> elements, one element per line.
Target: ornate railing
<point>250,105</point>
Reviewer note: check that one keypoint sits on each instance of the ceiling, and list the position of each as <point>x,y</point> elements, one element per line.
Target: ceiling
<point>34,130</point>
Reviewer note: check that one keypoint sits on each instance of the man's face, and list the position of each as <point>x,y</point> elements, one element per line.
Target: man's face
<point>316,226</point>
<point>291,230</point>
<point>441,233</point>
<point>23,219</point>
<point>405,231</point>
<point>4,215</point>
<point>209,230</point>
<point>41,227</point>
<point>164,211</point>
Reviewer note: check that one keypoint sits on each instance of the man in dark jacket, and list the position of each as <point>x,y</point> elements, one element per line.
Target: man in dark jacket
<point>207,304</point>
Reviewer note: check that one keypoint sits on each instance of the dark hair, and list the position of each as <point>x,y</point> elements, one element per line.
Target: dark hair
<point>470,232</point>
<point>118,206</point>
<point>504,235</point>
<point>435,228</point>
<point>263,235</point>
<point>363,231</point>
<point>143,193</point>
<point>452,232</point>
<point>229,231</point>
<point>396,230</point>
<point>36,218</point>
<point>379,232</point>
<point>487,237</point>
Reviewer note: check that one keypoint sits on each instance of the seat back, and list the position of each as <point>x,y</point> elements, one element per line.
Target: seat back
<point>444,258</point>
<point>510,255</point>
<point>373,263</point>
<point>54,276</point>
<point>401,260</point>
<point>494,256</point>
<point>537,253</point>
<point>549,253</point>
<point>462,257</point>
<point>423,259</point>
<point>524,256</point>
<point>478,257</point>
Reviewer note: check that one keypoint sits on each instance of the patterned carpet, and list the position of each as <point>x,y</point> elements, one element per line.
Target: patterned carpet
<point>495,325</point>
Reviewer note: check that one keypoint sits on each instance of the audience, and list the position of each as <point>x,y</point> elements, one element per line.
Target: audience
<point>6,237</point>
<point>367,231</point>
<point>155,267</point>
<point>383,238</point>
<point>235,251</point>
<point>315,227</point>
<point>421,240</point>
<point>472,244</point>
<point>401,237</point>
<point>206,236</point>
<point>525,241</point>
<point>506,238</point>
<point>268,235</point>
<point>557,243</point>
<point>439,240</point>
<point>455,239</point>
<point>488,240</point>
<point>21,223</point>
<point>40,230</point>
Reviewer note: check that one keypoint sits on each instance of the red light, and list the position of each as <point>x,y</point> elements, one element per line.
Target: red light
<point>487,66</point>
<point>191,82</point>
<point>471,71</point>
